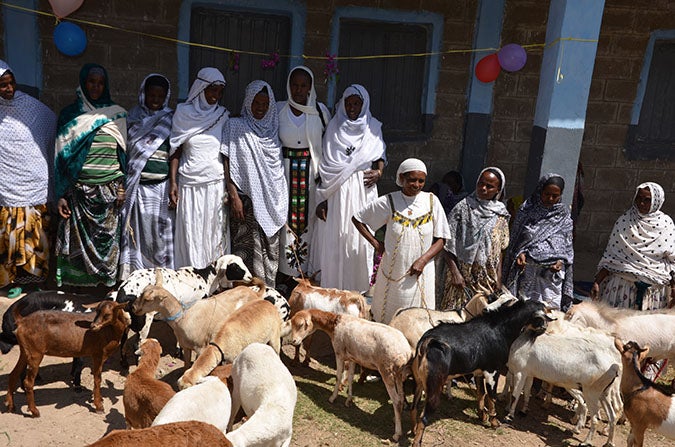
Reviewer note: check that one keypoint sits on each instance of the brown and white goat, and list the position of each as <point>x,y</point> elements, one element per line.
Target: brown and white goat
<point>196,325</point>
<point>65,334</point>
<point>144,396</point>
<point>645,404</point>
<point>308,296</point>
<point>175,434</point>
<point>372,345</point>
<point>257,321</point>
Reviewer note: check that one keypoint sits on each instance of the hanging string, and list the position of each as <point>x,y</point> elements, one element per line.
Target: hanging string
<point>291,56</point>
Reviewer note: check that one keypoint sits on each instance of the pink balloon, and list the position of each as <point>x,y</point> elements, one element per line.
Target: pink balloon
<point>512,57</point>
<point>63,8</point>
<point>487,69</point>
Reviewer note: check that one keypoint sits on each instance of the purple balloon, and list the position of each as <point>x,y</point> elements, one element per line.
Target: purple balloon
<point>512,57</point>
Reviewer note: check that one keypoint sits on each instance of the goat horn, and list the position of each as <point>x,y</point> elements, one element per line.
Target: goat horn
<point>159,280</point>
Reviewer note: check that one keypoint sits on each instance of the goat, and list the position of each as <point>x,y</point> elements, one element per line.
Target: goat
<point>65,334</point>
<point>208,401</point>
<point>196,325</point>
<point>144,396</point>
<point>188,284</point>
<point>307,296</point>
<point>269,404</point>
<point>415,321</point>
<point>645,403</point>
<point>372,345</point>
<point>257,321</point>
<point>479,345</point>
<point>653,328</point>
<point>46,300</point>
<point>175,434</point>
<point>570,358</point>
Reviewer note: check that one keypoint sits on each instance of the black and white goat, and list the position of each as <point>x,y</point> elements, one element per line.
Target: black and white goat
<point>480,345</point>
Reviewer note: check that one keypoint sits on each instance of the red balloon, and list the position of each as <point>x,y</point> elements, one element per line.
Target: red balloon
<point>488,68</point>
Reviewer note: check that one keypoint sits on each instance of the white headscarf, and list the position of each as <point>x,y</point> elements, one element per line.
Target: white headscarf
<point>256,167</point>
<point>409,165</point>
<point>348,145</point>
<point>196,115</point>
<point>642,244</point>
<point>313,123</point>
<point>4,67</point>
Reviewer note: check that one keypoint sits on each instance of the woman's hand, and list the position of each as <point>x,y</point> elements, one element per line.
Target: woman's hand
<point>521,260</point>
<point>236,208</point>
<point>418,266</point>
<point>371,177</point>
<point>63,208</point>
<point>557,266</point>
<point>322,210</point>
<point>595,291</point>
<point>173,195</point>
<point>121,196</point>
<point>457,280</point>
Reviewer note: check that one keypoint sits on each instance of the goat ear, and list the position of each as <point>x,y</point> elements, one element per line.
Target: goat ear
<point>123,305</point>
<point>92,305</point>
<point>159,279</point>
<point>644,353</point>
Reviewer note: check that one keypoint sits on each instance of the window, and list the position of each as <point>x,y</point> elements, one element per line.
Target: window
<point>245,31</point>
<point>651,134</point>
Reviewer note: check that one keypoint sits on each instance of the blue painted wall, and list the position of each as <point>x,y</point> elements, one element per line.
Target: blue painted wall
<point>22,43</point>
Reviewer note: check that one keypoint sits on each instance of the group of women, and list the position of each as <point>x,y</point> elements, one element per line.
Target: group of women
<point>292,190</point>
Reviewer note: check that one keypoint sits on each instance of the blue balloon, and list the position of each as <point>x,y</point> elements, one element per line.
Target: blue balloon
<point>70,39</point>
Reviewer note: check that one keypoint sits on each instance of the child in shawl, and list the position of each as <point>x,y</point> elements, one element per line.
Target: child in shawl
<point>26,159</point>
<point>197,173</point>
<point>147,239</point>
<point>352,163</point>
<point>538,262</point>
<point>256,182</point>
<point>637,269</point>
<point>416,232</point>
<point>479,233</point>
<point>89,183</point>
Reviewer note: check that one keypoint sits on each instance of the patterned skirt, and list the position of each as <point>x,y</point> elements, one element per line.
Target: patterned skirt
<point>24,244</point>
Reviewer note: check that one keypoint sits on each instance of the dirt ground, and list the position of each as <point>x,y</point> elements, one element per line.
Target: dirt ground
<point>67,417</point>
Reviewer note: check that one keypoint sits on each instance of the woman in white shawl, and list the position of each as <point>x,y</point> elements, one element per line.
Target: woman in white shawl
<point>26,159</point>
<point>147,239</point>
<point>197,173</point>
<point>256,182</point>
<point>636,271</point>
<point>416,232</point>
<point>352,163</point>
<point>479,234</point>
<point>302,121</point>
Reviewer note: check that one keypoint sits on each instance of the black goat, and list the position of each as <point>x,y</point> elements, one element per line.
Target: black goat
<point>46,300</point>
<point>480,345</point>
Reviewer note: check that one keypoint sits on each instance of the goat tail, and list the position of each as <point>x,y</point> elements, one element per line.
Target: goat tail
<point>260,284</point>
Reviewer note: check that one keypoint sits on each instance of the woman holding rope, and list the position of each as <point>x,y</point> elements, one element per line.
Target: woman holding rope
<point>416,232</point>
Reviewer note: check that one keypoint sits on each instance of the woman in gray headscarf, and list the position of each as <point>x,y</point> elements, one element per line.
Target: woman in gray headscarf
<point>256,184</point>
<point>479,234</point>
<point>197,173</point>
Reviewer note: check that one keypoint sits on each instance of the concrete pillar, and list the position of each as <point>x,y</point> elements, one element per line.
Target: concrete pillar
<point>479,111</point>
<point>564,83</point>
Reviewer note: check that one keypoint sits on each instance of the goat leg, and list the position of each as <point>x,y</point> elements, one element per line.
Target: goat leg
<point>97,370</point>
<point>29,382</point>
<point>13,381</point>
<point>76,373</point>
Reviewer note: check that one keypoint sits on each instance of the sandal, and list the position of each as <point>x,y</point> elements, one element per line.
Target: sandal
<point>14,292</point>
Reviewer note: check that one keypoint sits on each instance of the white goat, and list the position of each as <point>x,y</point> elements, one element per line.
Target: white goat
<point>372,345</point>
<point>268,403</point>
<point>570,357</point>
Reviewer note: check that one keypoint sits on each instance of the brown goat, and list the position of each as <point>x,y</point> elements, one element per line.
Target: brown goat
<point>645,404</point>
<point>176,434</point>
<point>65,334</point>
<point>144,396</point>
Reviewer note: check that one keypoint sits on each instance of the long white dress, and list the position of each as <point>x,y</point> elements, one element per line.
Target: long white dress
<point>412,225</point>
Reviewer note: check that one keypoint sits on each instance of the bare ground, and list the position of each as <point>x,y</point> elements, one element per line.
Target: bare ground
<point>67,417</point>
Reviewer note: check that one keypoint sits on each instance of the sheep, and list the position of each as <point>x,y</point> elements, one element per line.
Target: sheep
<point>415,321</point>
<point>189,433</point>
<point>144,396</point>
<point>646,404</point>
<point>257,321</point>
<point>196,325</point>
<point>307,296</point>
<point>65,334</point>
<point>373,345</point>
<point>481,344</point>
<point>268,403</point>
<point>570,358</point>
